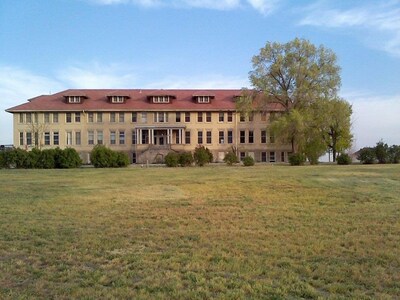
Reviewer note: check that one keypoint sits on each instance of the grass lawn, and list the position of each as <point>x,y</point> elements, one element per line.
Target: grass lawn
<point>263,232</point>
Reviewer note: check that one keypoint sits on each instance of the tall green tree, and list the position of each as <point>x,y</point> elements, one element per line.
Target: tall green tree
<point>297,75</point>
<point>333,120</point>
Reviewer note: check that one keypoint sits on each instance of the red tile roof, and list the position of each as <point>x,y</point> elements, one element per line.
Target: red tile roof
<point>97,100</point>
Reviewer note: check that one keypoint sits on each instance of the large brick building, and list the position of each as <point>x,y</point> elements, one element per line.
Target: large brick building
<point>146,124</point>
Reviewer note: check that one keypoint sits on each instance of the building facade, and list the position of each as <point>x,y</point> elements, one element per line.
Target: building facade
<point>146,124</point>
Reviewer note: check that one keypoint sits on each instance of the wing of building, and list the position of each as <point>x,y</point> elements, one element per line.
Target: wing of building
<point>146,124</point>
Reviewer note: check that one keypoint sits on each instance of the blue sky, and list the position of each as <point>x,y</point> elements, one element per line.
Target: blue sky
<point>49,46</point>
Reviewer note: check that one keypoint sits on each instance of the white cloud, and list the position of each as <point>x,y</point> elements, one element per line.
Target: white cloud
<point>16,86</point>
<point>263,6</point>
<point>381,21</point>
<point>95,75</point>
<point>205,82</point>
<point>374,118</point>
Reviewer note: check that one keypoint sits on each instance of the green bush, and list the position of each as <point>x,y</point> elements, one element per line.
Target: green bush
<point>343,159</point>
<point>367,155</point>
<point>103,157</point>
<point>231,158</point>
<point>122,159</point>
<point>202,156</point>
<point>297,159</point>
<point>186,159</point>
<point>172,159</point>
<point>47,159</point>
<point>248,161</point>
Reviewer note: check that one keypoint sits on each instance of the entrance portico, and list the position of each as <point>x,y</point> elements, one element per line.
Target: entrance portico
<point>165,135</point>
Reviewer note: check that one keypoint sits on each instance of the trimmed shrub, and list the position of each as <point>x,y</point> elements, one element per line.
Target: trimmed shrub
<point>343,159</point>
<point>47,159</point>
<point>367,156</point>
<point>68,158</point>
<point>172,159</point>
<point>103,157</point>
<point>186,159</point>
<point>202,156</point>
<point>248,161</point>
<point>297,159</point>
<point>231,158</point>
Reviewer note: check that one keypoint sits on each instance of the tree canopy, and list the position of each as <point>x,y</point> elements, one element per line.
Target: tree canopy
<point>305,80</point>
<point>296,73</point>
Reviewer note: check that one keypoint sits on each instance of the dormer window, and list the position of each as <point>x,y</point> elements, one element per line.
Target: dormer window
<point>74,99</point>
<point>117,99</point>
<point>161,99</point>
<point>203,98</point>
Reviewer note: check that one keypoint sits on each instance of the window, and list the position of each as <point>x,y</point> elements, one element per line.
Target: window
<point>145,136</point>
<point>77,117</point>
<point>91,137</point>
<point>121,137</point>
<point>55,117</point>
<point>264,116</point>
<point>282,156</point>
<point>69,138</point>
<point>21,138</point>
<point>29,138</point>
<point>90,117</point>
<point>242,117</point>
<point>242,155</point>
<point>21,118</point>
<point>230,116</point>
<point>230,136</point>
<point>134,137</point>
<point>221,137</point>
<point>100,137</point>
<point>28,118</point>
<point>251,117</point>
<point>208,117</point>
<point>134,117</point>
<point>203,99</point>
<point>221,117</point>
<point>242,136</point>
<point>264,156</point>
<point>178,117</point>
<point>77,138</point>
<point>117,99</point>
<point>144,117</point>
<point>251,136</point>
<point>209,137</point>
<point>122,117</point>
<point>56,138</point>
<point>74,99</point>
<point>160,99</point>
<point>187,137</point>
<point>112,117</point>
<point>47,118</point>
<point>68,117</point>
<point>263,136</point>
<point>200,137</point>
<point>112,137</point>
<point>272,156</point>
<point>199,117</point>
<point>161,117</point>
<point>99,117</point>
<point>187,117</point>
